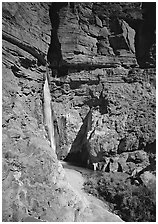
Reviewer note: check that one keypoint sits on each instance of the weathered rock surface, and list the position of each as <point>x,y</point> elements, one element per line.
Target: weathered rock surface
<point>103,101</point>
<point>114,97</point>
<point>122,119</point>
<point>83,37</point>
<point>34,182</point>
<point>82,32</point>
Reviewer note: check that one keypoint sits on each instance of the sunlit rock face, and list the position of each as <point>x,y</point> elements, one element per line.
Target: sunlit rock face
<point>103,96</point>
<point>84,38</point>
<point>119,123</point>
<point>34,183</point>
<point>100,74</point>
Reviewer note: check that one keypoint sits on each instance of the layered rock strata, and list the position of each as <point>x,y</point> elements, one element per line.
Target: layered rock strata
<point>103,101</point>
<point>103,84</point>
<point>35,187</point>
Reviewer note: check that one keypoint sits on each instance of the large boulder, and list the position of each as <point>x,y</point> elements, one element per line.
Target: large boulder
<point>148,179</point>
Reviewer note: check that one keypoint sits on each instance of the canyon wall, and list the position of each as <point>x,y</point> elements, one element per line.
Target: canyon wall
<point>34,183</point>
<point>103,96</point>
<point>106,80</point>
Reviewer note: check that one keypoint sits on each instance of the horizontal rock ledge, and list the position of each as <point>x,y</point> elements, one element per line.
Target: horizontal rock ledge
<point>84,62</point>
<point>25,46</point>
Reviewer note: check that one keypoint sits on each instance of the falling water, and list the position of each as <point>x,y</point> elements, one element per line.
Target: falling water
<point>48,112</point>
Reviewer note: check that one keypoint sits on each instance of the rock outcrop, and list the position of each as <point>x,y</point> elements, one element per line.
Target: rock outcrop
<point>104,103</point>
<point>99,76</point>
<point>86,42</point>
<point>121,121</point>
<point>34,183</point>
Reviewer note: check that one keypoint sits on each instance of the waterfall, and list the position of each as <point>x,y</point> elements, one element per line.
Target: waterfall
<point>48,112</point>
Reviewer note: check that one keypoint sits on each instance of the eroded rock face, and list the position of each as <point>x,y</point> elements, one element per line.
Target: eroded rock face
<point>99,45</point>
<point>103,81</point>
<point>34,183</point>
<point>83,31</point>
<point>103,102</point>
<point>79,37</point>
<point>123,123</point>
<point>105,85</point>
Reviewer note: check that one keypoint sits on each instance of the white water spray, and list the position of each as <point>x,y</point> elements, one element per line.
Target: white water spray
<point>48,113</point>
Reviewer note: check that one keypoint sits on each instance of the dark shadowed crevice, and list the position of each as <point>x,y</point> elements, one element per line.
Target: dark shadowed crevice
<point>103,104</point>
<point>145,37</point>
<point>80,158</point>
<point>79,152</point>
<point>141,17</point>
<point>54,55</point>
<point>151,147</point>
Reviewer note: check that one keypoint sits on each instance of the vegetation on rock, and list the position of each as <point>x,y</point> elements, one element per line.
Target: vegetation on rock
<point>132,203</point>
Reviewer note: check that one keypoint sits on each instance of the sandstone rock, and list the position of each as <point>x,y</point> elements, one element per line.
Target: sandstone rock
<point>31,172</point>
<point>84,42</point>
<point>27,25</point>
<point>98,21</point>
<point>122,43</point>
<point>113,117</point>
<point>148,178</point>
<point>138,157</point>
<point>104,32</point>
<point>129,35</point>
<point>94,31</point>
<point>104,104</point>
<point>94,140</point>
<point>69,123</point>
<point>103,47</point>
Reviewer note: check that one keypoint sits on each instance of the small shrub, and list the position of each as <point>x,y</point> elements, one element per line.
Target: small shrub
<point>132,203</point>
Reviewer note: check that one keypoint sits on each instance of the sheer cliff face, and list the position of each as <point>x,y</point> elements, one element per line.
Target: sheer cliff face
<point>100,48</point>
<point>34,182</point>
<point>86,33</point>
<point>104,103</point>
